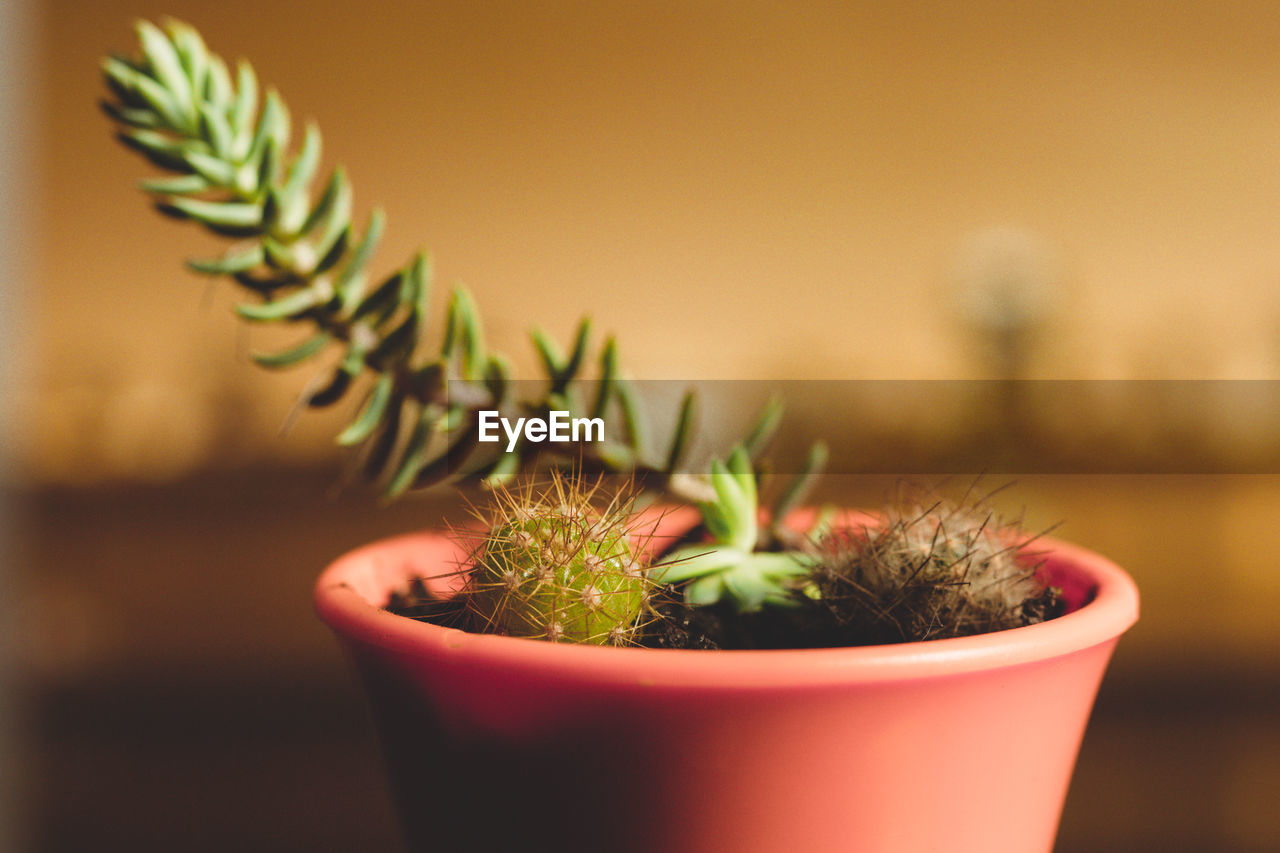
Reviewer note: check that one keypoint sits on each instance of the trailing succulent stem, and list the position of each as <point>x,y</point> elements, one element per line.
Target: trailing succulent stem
<point>929,569</point>
<point>232,168</point>
<point>552,565</point>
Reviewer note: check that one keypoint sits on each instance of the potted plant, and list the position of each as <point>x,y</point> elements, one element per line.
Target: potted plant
<point>584,668</point>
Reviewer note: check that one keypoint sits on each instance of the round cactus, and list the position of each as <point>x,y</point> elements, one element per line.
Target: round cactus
<point>554,567</point>
<point>931,569</point>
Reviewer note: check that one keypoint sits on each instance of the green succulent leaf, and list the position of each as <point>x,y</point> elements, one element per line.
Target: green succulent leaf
<point>179,185</point>
<point>764,429</point>
<point>684,431</point>
<point>371,415</point>
<point>576,355</point>
<point>382,303</point>
<point>339,383</point>
<point>415,454</point>
<point>293,197</point>
<point>381,447</point>
<point>217,131</point>
<point>705,591</point>
<point>131,116</point>
<point>694,561</point>
<point>396,347</point>
<point>157,148</point>
<point>296,303</point>
<point>497,376</point>
<point>271,135</point>
<point>799,487</point>
<point>145,91</point>
<point>728,566</point>
<point>295,354</point>
<point>350,283</point>
<point>451,463</point>
<point>750,580</point>
<point>218,93</point>
<point>635,429</point>
<point>608,378</point>
<point>162,56</point>
<point>618,457</point>
<point>193,55</point>
<point>226,214</point>
<point>243,110</point>
<point>766,579</point>
<point>552,361</point>
<point>504,469</point>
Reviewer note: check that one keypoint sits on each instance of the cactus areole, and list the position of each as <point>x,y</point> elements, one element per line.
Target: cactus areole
<point>557,574</point>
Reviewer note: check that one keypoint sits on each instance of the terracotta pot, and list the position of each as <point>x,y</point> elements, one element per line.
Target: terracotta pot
<point>504,744</point>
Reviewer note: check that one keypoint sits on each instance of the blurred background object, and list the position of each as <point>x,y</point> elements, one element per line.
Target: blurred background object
<point>740,191</point>
<point>16,107</point>
<point>1006,281</point>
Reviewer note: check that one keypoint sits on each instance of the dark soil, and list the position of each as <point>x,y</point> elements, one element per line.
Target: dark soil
<point>675,625</point>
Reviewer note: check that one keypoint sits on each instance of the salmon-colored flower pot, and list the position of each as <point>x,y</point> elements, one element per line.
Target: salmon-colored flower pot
<point>503,744</point>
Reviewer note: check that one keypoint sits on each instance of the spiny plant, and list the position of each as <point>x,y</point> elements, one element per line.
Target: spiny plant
<point>233,171</point>
<point>929,569</point>
<point>553,565</point>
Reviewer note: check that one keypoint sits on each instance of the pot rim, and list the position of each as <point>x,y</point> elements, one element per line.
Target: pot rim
<point>345,592</point>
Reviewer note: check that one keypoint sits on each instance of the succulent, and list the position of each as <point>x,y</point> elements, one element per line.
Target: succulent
<point>729,566</point>
<point>232,169</point>
<point>929,569</point>
<point>552,565</point>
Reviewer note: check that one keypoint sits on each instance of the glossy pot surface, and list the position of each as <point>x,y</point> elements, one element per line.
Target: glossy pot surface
<point>495,743</point>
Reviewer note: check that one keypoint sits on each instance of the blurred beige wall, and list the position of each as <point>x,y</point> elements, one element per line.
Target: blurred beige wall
<point>738,189</point>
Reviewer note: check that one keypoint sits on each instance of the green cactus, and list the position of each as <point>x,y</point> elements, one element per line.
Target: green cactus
<point>552,566</point>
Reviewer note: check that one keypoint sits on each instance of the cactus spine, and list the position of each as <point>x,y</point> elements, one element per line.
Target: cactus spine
<point>554,566</point>
<point>930,570</point>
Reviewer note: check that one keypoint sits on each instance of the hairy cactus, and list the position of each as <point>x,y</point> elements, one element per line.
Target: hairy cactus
<point>932,569</point>
<point>554,566</point>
